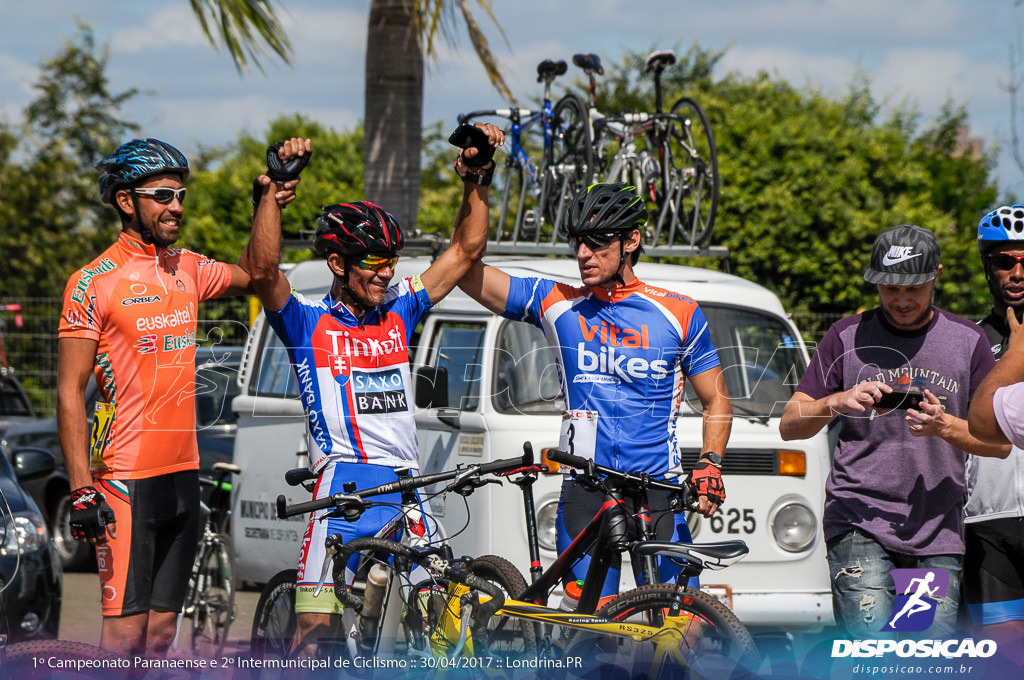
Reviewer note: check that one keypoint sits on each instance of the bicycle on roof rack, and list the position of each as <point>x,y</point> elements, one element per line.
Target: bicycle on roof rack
<point>670,157</point>
<point>535,192</point>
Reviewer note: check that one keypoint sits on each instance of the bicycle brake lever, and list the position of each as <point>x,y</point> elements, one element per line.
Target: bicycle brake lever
<point>331,549</point>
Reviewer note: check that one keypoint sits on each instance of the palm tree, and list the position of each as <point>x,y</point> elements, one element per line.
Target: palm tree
<point>400,34</point>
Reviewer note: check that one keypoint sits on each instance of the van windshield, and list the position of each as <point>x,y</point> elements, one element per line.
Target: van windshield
<point>761,360</point>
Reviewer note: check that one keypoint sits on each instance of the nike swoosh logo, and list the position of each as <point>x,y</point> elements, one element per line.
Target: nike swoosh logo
<point>888,261</point>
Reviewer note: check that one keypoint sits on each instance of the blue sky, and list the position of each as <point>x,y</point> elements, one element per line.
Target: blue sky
<point>920,52</point>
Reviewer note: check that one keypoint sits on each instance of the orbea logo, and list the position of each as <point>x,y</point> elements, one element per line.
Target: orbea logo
<point>917,595</point>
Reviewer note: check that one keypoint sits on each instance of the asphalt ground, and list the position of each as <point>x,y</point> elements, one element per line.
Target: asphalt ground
<point>81,621</point>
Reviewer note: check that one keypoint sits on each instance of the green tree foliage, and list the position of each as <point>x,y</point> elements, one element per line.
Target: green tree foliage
<point>218,221</point>
<point>52,219</point>
<point>808,181</point>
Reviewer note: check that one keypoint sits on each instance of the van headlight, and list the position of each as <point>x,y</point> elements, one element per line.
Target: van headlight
<point>794,525</point>
<point>546,532</point>
<point>27,533</point>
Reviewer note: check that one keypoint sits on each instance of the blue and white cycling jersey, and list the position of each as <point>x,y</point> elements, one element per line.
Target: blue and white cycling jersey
<point>354,380</point>
<point>622,358</point>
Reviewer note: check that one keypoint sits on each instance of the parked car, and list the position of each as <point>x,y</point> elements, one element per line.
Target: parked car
<point>216,386</point>
<point>31,578</point>
<point>15,406</point>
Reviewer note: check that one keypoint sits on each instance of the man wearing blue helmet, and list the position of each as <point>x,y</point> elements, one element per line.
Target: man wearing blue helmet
<point>129,317</point>
<point>994,524</point>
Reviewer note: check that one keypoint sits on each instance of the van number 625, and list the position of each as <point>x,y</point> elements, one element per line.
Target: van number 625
<point>734,521</point>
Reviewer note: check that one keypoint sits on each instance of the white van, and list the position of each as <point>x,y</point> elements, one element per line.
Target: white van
<point>503,388</point>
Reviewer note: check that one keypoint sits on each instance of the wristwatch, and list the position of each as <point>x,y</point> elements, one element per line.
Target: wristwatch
<point>712,458</point>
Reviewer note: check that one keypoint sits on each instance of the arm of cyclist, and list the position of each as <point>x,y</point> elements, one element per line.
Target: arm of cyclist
<point>91,517</point>
<point>262,254</point>
<point>706,477</point>
<point>469,235</point>
<point>1008,372</point>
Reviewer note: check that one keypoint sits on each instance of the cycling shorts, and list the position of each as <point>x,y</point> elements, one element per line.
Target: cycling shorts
<point>147,567</point>
<point>381,520</point>
<point>993,582</point>
<point>577,508</point>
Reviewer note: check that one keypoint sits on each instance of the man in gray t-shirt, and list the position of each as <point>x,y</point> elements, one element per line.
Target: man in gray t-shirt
<point>894,498</point>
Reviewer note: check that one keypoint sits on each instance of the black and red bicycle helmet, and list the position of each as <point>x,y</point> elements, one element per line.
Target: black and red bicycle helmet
<point>355,229</point>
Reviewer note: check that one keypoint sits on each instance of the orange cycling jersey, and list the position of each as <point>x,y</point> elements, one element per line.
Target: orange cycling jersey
<point>140,304</point>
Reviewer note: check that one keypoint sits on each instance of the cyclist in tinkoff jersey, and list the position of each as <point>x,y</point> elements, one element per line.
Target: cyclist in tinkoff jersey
<point>623,350</point>
<point>350,353</point>
<point>129,317</point>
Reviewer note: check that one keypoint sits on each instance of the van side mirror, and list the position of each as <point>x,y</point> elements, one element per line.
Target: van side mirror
<point>431,387</point>
<point>32,462</point>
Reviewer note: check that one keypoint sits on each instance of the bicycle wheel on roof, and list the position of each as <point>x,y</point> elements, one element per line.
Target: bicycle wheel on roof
<point>690,181</point>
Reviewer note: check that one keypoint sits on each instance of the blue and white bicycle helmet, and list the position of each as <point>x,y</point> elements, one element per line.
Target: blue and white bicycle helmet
<point>999,226</point>
<point>136,160</point>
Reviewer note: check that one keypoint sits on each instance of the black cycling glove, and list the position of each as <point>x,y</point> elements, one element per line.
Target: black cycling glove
<point>90,514</point>
<point>279,170</point>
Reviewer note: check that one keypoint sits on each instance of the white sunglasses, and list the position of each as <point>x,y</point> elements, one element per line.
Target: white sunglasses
<point>161,194</point>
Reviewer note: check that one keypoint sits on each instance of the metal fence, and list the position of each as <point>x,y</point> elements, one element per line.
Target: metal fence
<point>28,328</point>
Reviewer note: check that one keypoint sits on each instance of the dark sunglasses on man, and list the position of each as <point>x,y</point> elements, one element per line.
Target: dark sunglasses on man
<point>1004,261</point>
<point>163,195</point>
<point>594,239</point>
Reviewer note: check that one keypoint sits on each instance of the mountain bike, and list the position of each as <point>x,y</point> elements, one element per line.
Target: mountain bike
<point>392,612</point>
<point>670,157</point>
<point>563,167</point>
<point>210,599</point>
<point>656,630</point>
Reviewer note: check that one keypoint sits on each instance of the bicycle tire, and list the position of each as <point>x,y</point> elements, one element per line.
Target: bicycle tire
<point>569,162</point>
<point>690,182</point>
<point>38,659</point>
<point>713,643</point>
<point>273,624</point>
<point>213,603</point>
<point>504,635</point>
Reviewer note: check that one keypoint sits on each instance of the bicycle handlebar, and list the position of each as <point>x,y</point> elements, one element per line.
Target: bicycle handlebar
<point>511,114</point>
<point>403,484</point>
<point>641,479</point>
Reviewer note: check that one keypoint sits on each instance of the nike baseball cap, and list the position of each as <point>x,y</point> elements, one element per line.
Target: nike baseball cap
<point>904,255</point>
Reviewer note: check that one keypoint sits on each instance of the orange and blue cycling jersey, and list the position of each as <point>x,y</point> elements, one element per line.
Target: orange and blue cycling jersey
<point>140,304</point>
<point>623,355</point>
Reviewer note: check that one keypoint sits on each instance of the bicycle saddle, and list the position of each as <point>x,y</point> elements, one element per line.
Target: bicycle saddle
<point>548,69</point>
<point>656,61</point>
<point>590,63</point>
<point>708,555</point>
<point>297,476</point>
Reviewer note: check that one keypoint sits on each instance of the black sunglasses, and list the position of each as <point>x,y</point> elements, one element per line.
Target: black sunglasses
<point>162,195</point>
<point>1005,261</point>
<point>594,239</point>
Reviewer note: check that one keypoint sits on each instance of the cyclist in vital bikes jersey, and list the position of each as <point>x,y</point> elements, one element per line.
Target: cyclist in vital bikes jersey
<point>129,317</point>
<point>350,353</point>
<point>994,535</point>
<point>623,348</point>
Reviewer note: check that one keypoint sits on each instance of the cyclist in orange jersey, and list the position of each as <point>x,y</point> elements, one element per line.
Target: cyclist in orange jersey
<point>130,317</point>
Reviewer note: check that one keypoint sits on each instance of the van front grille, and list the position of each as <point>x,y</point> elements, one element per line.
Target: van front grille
<point>739,461</point>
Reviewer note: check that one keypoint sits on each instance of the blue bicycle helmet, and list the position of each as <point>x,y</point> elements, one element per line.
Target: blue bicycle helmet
<point>136,160</point>
<point>999,226</point>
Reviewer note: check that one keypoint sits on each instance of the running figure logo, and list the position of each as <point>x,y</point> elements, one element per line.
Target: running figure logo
<point>917,594</point>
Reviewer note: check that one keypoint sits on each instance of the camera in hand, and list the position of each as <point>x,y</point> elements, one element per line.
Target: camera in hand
<point>898,399</point>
